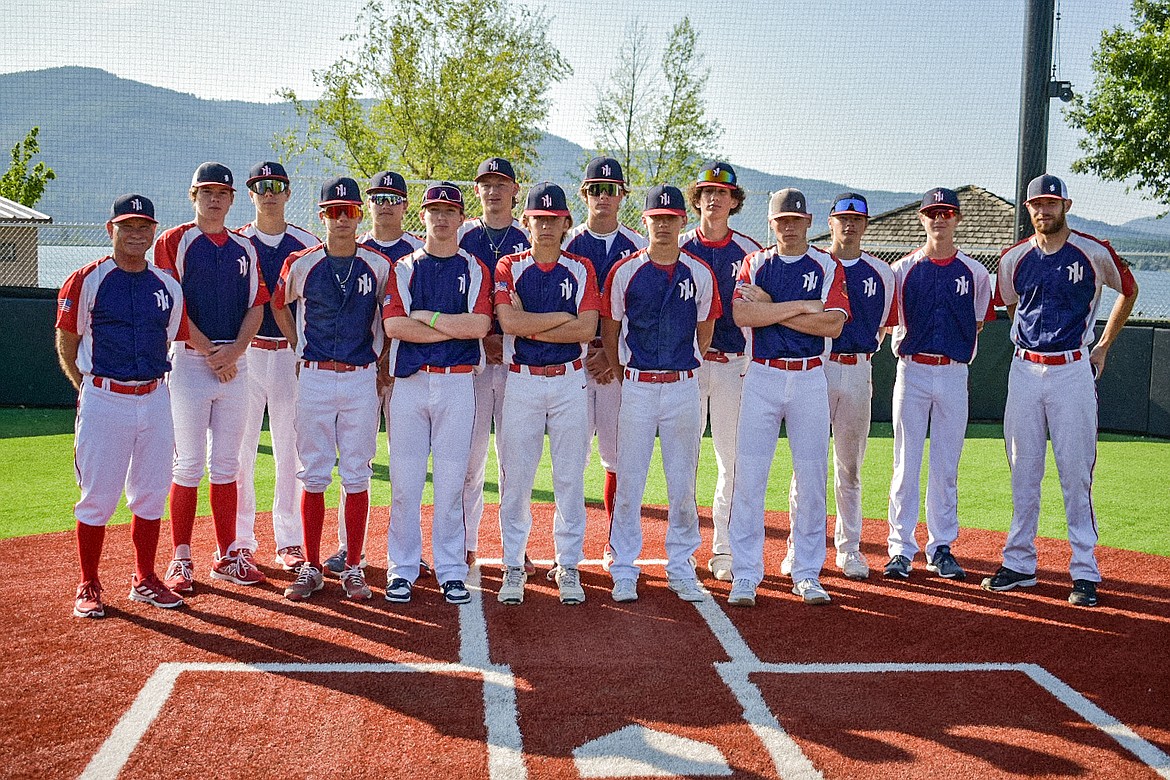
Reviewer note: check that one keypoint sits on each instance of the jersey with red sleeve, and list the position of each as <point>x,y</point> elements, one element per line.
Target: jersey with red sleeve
<point>338,318</point>
<point>271,257</point>
<point>603,251</point>
<point>459,284</point>
<point>124,318</point>
<point>939,305</point>
<point>870,284</point>
<point>220,277</point>
<point>1057,295</point>
<point>567,285</point>
<point>659,308</point>
<point>395,250</point>
<point>815,275</point>
<point>726,259</point>
<point>489,245</point>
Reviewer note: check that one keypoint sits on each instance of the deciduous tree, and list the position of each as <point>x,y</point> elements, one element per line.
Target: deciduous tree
<point>19,183</point>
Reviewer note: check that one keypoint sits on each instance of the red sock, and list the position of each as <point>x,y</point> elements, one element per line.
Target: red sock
<point>312,523</point>
<point>89,549</point>
<point>357,506</point>
<point>223,514</point>
<point>183,503</point>
<point>145,535</point>
<point>610,494</point>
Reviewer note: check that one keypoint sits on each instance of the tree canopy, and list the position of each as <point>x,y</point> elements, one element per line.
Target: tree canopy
<point>19,183</point>
<point>431,88</point>
<point>1126,116</point>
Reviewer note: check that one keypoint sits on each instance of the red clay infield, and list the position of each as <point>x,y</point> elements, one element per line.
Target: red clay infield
<point>925,678</point>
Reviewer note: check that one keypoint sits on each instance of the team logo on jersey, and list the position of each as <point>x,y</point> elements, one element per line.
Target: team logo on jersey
<point>566,289</point>
<point>517,248</point>
<point>162,300</point>
<point>686,289</point>
<point>810,281</point>
<point>462,285</point>
<point>869,287</point>
<point>962,286</point>
<point>736,267</point>
<point>243,261</point>
<point>1076,272</point>
<point>365,284</point>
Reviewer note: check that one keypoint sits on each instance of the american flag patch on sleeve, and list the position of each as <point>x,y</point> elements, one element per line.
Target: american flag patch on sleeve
<point>65,304</point>
<point>501,286</point>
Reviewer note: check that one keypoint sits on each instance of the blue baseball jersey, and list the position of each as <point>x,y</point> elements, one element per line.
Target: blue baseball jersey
<point>940,304</point>
<point>813,276</point>
<point>395,250</point>
<point>1057,295</point>
<point>726,260</point>
<point>220,277</point>
<point>603,251</point>
<point>339,318</point>
<point>271,258</point>
<point>475,239</point>
<point>659,308</point>
<point>567,285</point>
<point>869,283</point>
<point>125,319</point>
<point>459,284</point>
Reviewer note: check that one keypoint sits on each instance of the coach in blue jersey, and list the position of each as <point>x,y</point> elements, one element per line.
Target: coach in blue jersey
<point>115,318</point>
<point>1051,284</point>
<point>660,308</point>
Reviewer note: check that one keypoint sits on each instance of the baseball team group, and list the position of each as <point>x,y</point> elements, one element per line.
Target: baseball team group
<point>537,327</point>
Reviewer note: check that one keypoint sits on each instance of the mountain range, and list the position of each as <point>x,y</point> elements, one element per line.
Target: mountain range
<point>104,135</point>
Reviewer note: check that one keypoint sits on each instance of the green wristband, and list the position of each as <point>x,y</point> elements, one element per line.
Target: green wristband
<point>434,319</point>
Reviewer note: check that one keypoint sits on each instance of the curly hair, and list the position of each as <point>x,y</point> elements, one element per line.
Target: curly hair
<point>737,195</point>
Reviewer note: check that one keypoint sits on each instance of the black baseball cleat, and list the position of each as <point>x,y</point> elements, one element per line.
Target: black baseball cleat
<point>1084,594</point>
<point>944,564</point>
<point>1006,579</point>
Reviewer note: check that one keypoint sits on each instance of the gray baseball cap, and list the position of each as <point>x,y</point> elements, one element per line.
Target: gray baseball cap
<point>788,202</point>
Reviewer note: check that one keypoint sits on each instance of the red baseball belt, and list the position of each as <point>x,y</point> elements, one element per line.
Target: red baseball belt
<point>125,389</point>
<point>850,358</point>
<point>1049,358</point>
<point>556,369</point>
<point>270,344</point>
<point>798,364</point>
<point>657,377</point>
<point>447,369</point>
<point>931,360</point>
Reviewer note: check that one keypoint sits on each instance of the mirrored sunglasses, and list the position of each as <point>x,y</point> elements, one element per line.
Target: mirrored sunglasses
<point>717,176</point>
<point>386,199</point>
<point>339,210</point>
<point>940,213</point>
<point>851,205</point>
<point>261,186</point>
<point>603,188</point>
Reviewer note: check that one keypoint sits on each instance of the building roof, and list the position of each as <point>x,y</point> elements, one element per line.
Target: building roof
<point>11,211</point>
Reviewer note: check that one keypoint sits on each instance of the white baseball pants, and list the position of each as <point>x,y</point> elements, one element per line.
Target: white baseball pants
<point>603,405</point>
<point>342,534</point>
<point>720,389</point>
<point>206,411</point>
<point>337,422</point>
<point>489,406</point>
<point>850,394</point>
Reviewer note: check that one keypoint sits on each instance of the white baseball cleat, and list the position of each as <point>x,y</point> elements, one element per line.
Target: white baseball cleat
<point>853,565</point>
<point>688,590</point>
<point>811,591</point>
<point>743,594</point>
<point>720,566</point>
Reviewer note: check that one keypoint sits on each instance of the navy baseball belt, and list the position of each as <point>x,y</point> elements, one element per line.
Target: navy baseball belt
<point>931,360</point>
<point>715,356</point>
<point>850,358</point>
<point>798,364</point>
<point>556,369</point>
<point>657,377</point>
<point>1049,358</point>
<point>125,389</point>
<point>270,344</point>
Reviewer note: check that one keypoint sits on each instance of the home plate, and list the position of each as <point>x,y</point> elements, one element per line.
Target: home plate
<point>636,751</point>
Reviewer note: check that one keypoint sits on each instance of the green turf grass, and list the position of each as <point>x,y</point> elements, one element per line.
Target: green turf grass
<point>1133,506</point>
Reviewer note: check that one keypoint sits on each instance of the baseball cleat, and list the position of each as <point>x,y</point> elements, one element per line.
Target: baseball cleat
<point>353,582</point>
<point>88,603</point>
<point>607,557</point>
<point>625,590</point>
<point>811,591</point>
<point>688,590</point>
<point>898,568</point>
<point>720,566</point>
<point>180,576</point>
<point>786,564</point>
<point>853,565</point>
<point>151,590</point>
<point>944,564</point>
<point>512,588</point>
<point>290,558</point>
<point>743,594</point>
<point>309,580</point>
<point>455,592</point>
<point>398,590</point>
<point>1006,579</point>
<point>235,568</point>
<point>529,566</point>
<point>1084,594</point>
<point>569,584</point>
<point>335,563</point>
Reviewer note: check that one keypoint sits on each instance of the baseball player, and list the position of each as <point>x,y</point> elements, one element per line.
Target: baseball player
<point>487,239</point>
<point>115,318</point>
<point>225,301</point>
<point>1051,284</point>
<point>716,196</point>
<point>603,240</point>
<point>386,198</point>
<point>849,373</point>
<point>942,299</point>
<point>792,297</point>
<point>660,308</point>
<point>437,308</point>
<point>547,304</point>
<point>338,338</point>
<point>272,376</point>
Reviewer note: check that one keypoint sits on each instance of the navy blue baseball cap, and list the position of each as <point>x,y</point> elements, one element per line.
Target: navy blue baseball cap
<point>387,181</point>
<point>210,173</point>
<point>131,206</point>
<point>716,174</point>
<point>495,166</point>
<point>546,200</point>
<point>443,192</point>
<point>604,169</point>
<point>1046,186</point>
<point>940,197</point>
<point>788,202</point>
<point>664,199</point>
<point>266,170</point>
<point>850,203</point>
<point>340,190</point>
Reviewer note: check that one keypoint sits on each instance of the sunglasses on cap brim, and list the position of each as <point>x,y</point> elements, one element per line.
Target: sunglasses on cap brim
<point>716,176</point>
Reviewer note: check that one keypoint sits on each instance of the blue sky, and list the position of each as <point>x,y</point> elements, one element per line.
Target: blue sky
<point>890,95</point>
